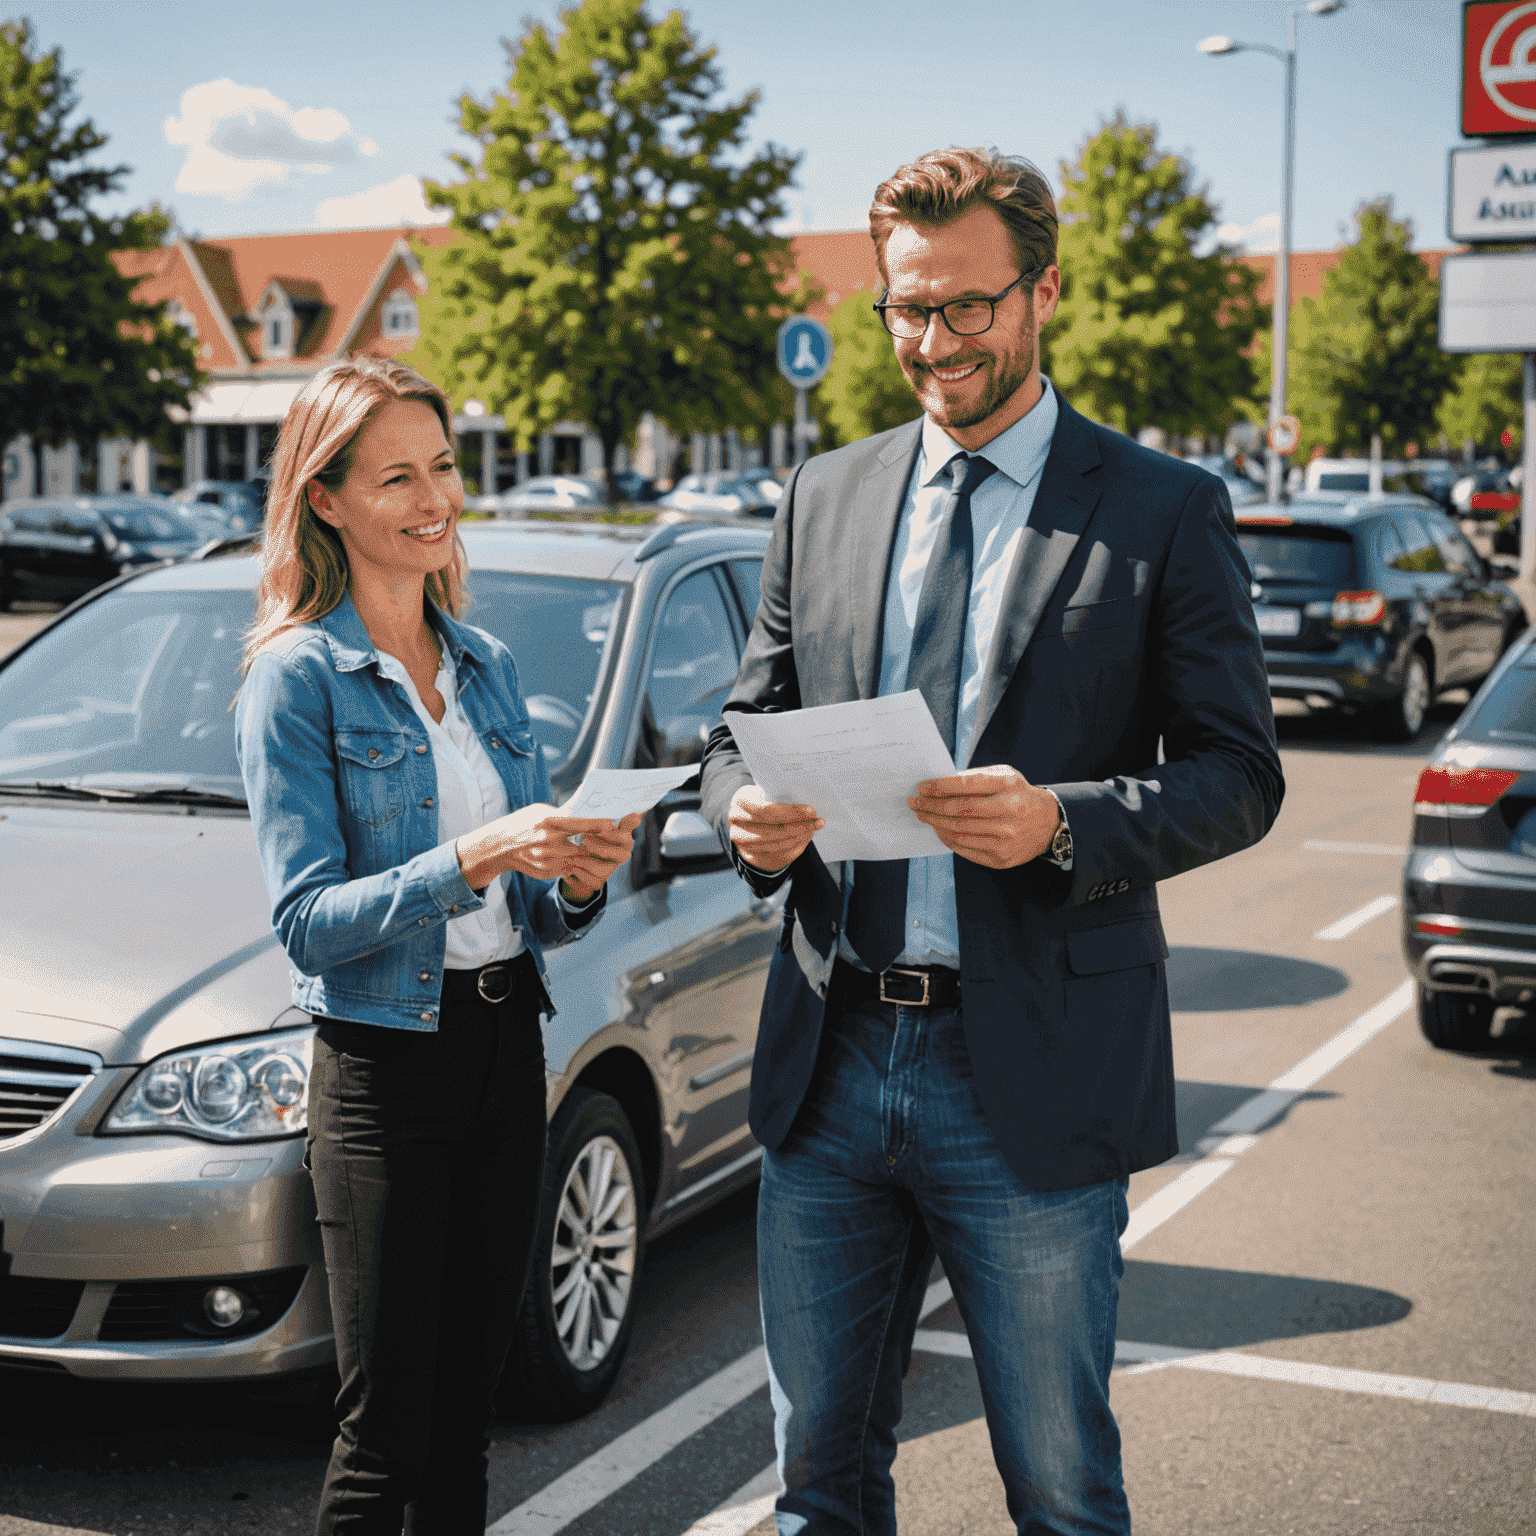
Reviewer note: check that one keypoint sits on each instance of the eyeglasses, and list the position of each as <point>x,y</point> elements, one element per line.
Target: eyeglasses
<point>964,317</point>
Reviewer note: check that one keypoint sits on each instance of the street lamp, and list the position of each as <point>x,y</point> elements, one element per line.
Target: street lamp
<point>1215,47</point>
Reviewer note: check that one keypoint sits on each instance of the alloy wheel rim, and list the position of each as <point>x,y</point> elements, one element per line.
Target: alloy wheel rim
<point>592,1260</point>
<point>1415,695</point>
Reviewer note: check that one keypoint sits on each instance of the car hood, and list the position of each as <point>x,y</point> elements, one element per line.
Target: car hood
<point>130,933</point>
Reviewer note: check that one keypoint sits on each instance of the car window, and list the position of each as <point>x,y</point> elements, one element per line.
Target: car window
<point>146,523</point>
<point>558,629</point>
<point>1508,713</point>
<point>1419,552</point>
<point>135,683</point>
<point>1343,480</point>
<point>74,523</point>
<point>1454,549</point>
<point>1389,547</point>
<point>748,576</point>
<point>1314,556</point>
<point>693,667</point>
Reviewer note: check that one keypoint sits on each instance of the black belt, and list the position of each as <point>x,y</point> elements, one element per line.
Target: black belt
<point>912,986</point>
<point>492,983</point>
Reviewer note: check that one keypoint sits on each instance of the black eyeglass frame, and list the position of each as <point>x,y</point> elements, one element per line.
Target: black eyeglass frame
<point>930,310</point>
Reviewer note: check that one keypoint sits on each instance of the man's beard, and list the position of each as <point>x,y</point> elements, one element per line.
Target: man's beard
<point>1013,372</point>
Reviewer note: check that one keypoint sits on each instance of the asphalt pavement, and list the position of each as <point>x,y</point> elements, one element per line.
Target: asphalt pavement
<point>1326,1318</point>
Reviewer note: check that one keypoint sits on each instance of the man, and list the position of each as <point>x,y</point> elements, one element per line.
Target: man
<point>969,1055</point>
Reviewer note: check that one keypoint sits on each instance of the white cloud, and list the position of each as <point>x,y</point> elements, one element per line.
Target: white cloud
<point>395,202</point>
<point>1261,235</point>
<point>241,137</point>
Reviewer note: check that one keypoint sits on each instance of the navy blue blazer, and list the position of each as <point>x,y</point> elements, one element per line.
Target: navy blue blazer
<point>1128,622</point>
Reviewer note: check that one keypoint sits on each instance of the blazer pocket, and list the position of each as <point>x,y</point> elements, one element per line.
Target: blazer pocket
<point>1116,946</point>
<point>372,774</point>
<point>1114,980</point>
<point>1106,615</point>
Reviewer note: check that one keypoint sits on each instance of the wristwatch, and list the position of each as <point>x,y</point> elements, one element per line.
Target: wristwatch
<point>1060,851</point>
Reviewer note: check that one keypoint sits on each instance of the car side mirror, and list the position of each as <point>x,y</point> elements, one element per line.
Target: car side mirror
<point>688,843</point>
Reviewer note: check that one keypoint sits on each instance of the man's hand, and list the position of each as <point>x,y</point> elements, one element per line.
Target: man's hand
<point>768,836</point>
<point>992,816</point>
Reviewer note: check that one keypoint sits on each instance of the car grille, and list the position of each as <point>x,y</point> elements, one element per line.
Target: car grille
<point>36,1309</point>
<point>37,1081</point>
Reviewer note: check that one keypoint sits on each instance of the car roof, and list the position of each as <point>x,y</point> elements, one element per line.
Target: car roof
<point>1339,508</point>
<point>594,551</point>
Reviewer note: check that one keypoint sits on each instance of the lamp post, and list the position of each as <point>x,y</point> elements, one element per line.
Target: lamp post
<point>1215,47</point>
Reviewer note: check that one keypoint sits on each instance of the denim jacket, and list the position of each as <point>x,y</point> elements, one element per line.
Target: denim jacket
<point>342,788</point>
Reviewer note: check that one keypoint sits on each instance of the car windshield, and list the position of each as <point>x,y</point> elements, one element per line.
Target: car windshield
<point>131,522</point>
<point>1509,711</point>
<point>133,690</point>
<point>1344,480</point>
<point>1316,556</point>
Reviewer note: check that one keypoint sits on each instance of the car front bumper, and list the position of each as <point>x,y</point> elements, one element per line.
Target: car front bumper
<point>91,1222</point>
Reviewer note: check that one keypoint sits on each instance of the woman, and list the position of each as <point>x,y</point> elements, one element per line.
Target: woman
<point>398,801</point>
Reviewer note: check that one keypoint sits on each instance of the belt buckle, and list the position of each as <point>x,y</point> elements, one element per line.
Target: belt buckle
<point>907,1002</point>
<point>498,972</point>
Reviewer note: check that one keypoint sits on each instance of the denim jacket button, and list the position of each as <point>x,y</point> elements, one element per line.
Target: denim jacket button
<point>423,922</point>
<point>427,804</point>
<point>453,909</point>
<point>426,1018</point>
<point>373,754</point>
<point>495,745</point>
<point>421,751</point>
<point>425,976</point>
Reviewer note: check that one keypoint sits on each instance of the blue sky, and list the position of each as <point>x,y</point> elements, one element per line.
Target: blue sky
<point>337,106</point>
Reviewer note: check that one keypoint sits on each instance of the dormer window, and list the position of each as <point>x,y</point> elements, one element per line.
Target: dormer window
<point>287,315</point>
<point>400,318</point>
<point>276,316</point>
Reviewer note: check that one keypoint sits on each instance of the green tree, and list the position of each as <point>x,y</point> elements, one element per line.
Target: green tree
<point>1486,399</point>
<point>1147,331</point>
<point>79,357</point>
<point>1365,356</point>
<point>865,390</point>
<point>614,248</point>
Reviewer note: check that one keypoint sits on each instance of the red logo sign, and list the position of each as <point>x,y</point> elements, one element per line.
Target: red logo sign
<point>1498,60</point>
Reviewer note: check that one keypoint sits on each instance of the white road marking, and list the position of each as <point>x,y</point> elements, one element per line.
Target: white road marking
<point>1312,1069</point>
<point>1396,850</point>
<point>1141,1358</point>
<point>1357,920</point>
<point>604,1472</point>
<point>1171,1199</point>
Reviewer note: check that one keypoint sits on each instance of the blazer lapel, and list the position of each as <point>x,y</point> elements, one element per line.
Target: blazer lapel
<point>1063,504</point>
<point>875,509</point>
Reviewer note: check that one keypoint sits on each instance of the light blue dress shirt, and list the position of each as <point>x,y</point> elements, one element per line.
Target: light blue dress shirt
<point>1000,509</point>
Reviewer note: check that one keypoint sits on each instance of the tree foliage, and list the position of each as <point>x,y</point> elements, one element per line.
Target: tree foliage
<point>614,250</point>
<point>865,390</point>
<point>1147,332</point>
<point>79,357</point>
<point>1487,398</point>
<point>1365,357</point>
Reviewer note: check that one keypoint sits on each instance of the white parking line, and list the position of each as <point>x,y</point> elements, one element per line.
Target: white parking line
<point>1396,850</point>
<point>622,1460</point>
<point>1358,919</point>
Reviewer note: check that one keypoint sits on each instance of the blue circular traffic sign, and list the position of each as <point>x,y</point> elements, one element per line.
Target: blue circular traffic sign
<point>805,351</point>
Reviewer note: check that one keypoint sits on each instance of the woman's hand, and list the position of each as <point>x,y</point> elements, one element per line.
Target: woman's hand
<point>536,841</point>
<point>604,847</point>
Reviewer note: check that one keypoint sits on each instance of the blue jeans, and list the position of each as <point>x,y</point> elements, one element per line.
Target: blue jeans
<point>890,1159</point>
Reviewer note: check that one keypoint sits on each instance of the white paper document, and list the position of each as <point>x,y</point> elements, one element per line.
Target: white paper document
<point>856,763</point>
<point>620,792</point>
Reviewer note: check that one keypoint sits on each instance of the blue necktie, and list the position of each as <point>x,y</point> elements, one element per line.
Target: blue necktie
<point>877,912</point>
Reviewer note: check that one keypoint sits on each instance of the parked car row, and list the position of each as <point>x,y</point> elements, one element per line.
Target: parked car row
<point>748,492</point>
<point>157,1220</point>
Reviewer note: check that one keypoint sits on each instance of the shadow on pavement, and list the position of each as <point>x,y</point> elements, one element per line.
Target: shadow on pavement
<point>1199,1106</point>
<point>1194,1308</point>
<point>1224,980</point>
<point>1326,731</point>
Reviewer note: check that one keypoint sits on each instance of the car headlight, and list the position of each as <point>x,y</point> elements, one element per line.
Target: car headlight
<point>234,1090</point>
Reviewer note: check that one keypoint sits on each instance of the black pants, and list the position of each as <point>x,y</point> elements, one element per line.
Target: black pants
<point>427,1151</point>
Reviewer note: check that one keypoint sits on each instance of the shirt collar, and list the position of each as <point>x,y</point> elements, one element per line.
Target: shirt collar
<point>1020,452</point>
<point>351,646</point>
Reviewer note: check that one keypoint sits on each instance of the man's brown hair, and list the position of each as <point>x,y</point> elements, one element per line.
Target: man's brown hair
<point>946,183</point>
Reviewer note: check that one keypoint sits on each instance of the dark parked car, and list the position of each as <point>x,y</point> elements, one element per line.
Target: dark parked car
<point>57,548</point>
<point>1469,886</point>
<point>1373,604</point>
<point>240,505</point>
<point>158,1221</point>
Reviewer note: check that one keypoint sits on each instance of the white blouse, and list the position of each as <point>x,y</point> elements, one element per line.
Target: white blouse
<point>469,794</point>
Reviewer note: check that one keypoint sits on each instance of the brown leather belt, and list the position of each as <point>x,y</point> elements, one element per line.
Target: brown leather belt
<point>909,986</point>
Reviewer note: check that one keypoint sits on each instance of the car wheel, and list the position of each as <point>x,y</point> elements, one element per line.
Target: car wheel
<point>1455,1021</point>
<point>1401,719</point>
<point>578,1311</point>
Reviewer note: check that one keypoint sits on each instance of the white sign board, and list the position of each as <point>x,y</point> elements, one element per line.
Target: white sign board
<point>1492,193</point>
<point>1488,302</point>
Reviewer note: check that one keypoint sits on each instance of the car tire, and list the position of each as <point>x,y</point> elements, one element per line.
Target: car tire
<point>1455,1021</point>
<point>578,1311</point>
<point>1401,718</point>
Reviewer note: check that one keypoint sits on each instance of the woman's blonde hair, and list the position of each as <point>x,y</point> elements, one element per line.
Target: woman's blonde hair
<point>304,567</point>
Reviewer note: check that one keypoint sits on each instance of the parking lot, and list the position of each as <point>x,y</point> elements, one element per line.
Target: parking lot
<point>1325,1324</point>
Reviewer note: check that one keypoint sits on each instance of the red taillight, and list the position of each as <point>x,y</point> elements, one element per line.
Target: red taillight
<point>1494,501</point>
<point>1266,522</point>
<point>1355,608</point>
<point>1445,791</point>
<point>1444,926</point>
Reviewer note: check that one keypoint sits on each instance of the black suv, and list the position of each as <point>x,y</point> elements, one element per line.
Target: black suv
<point>1469,886</point>
<point>1373,604</point>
